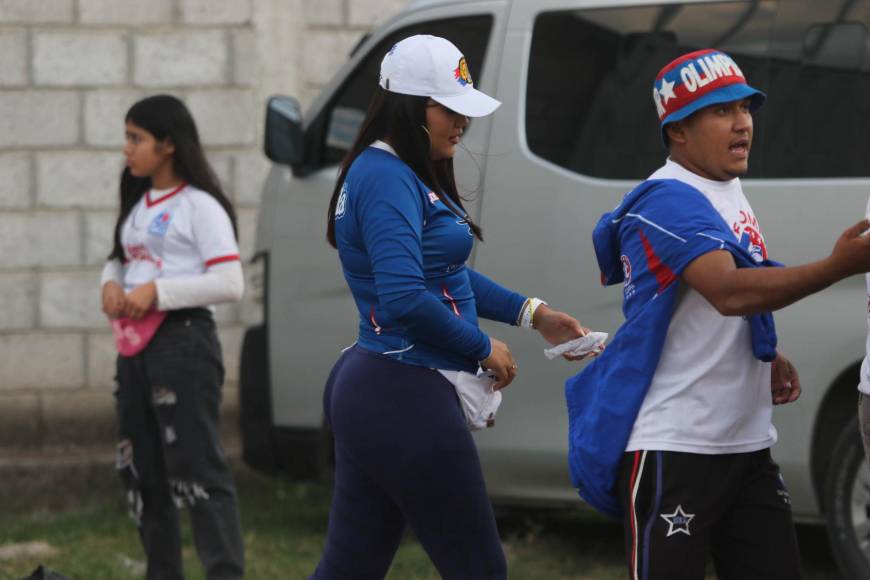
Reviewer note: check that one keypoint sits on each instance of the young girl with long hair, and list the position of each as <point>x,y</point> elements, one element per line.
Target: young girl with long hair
<point>174,254</point>
<point>403,449</point>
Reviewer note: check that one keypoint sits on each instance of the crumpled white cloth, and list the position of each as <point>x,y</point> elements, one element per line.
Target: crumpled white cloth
<point>478,399</point>
<point>578,346</point>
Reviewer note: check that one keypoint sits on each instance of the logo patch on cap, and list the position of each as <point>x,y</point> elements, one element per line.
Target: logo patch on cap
<point>463,77</point>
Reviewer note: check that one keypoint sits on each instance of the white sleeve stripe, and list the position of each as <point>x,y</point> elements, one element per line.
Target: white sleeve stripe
<point>651,223</point>
<point>721,242</point>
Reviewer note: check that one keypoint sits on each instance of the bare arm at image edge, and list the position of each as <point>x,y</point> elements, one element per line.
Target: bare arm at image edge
<point>744,291</point>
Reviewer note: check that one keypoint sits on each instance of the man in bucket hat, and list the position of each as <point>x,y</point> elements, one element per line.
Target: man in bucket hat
<point>670,428</point>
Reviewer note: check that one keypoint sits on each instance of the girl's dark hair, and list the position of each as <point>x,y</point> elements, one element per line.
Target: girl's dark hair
<point>401,119</point>
<point>166,118</point>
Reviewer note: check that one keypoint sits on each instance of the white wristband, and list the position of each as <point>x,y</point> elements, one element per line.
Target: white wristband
<point>527,317</point>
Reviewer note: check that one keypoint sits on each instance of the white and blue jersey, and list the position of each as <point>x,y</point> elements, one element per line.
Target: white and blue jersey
<point>403,254</point>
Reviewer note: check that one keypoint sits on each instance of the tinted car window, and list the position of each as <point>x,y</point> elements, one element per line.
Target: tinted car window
<point>817,121</point>
<point>589,93</point>
<point>331,134</point>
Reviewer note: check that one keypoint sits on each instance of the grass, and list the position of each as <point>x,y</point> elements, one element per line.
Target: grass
<point>284,527</point>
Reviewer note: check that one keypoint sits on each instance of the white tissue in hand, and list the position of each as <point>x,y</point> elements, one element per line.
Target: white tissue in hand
<point>578,346</point>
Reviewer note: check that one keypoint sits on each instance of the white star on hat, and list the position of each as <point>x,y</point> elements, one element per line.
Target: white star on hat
<point>667,91</point>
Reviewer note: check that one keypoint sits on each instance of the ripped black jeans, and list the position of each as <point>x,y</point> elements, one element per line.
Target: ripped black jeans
<point>170,455</point>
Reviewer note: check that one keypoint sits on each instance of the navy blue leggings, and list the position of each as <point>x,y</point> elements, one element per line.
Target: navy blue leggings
<point>403,454</point>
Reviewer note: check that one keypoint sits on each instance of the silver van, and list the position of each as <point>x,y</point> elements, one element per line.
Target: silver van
<point>577,130</point>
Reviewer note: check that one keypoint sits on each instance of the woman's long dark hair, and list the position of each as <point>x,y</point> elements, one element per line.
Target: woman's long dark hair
<point>166,118</point>
<point>401,120</point>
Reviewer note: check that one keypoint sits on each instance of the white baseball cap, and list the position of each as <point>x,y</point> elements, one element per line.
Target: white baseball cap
<point>431,66</point>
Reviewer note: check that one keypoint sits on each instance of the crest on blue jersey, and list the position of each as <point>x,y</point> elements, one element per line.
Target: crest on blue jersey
<point>341,204</point>
<point>160,224</point>
<point>464,222</point>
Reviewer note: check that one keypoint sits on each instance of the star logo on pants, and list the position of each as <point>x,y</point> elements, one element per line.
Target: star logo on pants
<point>678,522</point>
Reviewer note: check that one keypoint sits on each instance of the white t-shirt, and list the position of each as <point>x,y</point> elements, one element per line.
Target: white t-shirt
<point>174,234</point>
<point>864,385</point>
<point>709,394</point>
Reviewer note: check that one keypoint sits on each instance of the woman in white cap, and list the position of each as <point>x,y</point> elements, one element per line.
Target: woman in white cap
<point>403,450</point>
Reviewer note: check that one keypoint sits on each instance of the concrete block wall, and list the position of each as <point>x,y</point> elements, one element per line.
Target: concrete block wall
<point>333,28</point>
<point>69,70</point>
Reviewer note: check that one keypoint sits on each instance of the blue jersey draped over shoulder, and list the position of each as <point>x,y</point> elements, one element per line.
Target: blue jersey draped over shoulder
<point>403,253</point>
<point>646,242</point>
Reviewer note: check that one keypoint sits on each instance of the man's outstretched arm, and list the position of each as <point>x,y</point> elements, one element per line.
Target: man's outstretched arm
<point>737,291</point>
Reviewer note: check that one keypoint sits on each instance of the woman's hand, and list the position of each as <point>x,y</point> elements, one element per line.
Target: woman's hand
<point>140,300</point>
<point>501,363</point>
<point>113,300</point>
<point>557,327</point>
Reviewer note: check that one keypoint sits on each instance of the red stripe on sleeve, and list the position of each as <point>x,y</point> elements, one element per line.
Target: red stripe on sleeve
<point>663,274</point>
<point>219,259</point>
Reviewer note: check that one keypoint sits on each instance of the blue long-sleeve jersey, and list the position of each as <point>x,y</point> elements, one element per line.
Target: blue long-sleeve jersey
<point>403,254</point>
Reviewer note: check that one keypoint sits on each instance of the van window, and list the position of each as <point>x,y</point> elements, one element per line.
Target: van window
<point>331,134</point>
<point>589,107</point>
<point>816,121</point>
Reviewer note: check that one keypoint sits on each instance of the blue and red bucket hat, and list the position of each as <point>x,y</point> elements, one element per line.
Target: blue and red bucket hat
<point>697,80</point>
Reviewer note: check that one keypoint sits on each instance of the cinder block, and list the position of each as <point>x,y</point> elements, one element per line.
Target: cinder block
<point>231,344</point>
<point>130,12</point>
<point>19,424</point>
<point>101,360</point>
<point>190,57</point>
<point>79,58</point>
<point>36,11</point>
<point>369,13</point>
<point>226,313</point>
<point>79,418</point>
<point>250,309</point>
<point>252,168</point>
<point>78,178</point>
<point>42,360</point>
<point>43,239</point>
<point>99,233</point>
<point>325,12</point>
<point>57,113</point>
<point>13,58</point>
<point>15,180</point>
<point>215,11</point>
<point>222,162</point>
<point>18,307</point>
<point>104,115</point>
<point>71,300</point>
<point>308,93</point>
<point>247,61</point>
<point>325,53</point>
<point>225,117</point>
<point>250,313</point>
<point>247,219</point>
